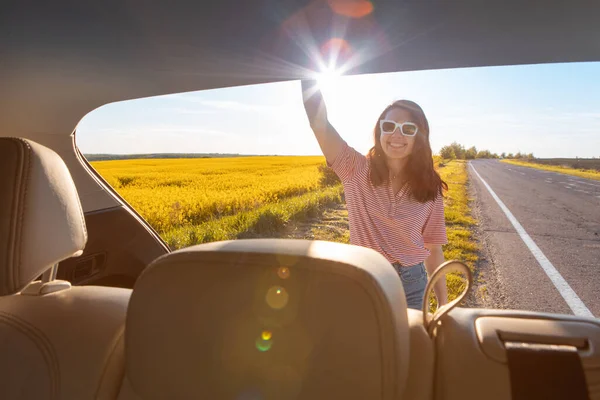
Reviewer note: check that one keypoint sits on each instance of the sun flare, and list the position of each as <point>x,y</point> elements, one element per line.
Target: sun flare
<point>328,77</point>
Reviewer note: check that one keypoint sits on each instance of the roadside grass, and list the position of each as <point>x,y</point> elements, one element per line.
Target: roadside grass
<point>459,223</point>
<point>265,221</point>
<point>582,173</point>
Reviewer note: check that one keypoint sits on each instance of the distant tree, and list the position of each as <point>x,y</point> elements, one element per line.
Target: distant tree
<point>484,154</point>
<point>471,153</point>
<point>459,150</point>
<point>447,152</point>
<point>518,156</point>
<point>530,157</point>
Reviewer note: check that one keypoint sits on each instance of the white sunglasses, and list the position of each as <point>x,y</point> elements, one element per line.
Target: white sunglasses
<point>388,127</point>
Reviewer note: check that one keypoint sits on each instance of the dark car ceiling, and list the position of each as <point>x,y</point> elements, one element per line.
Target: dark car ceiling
<point>61,59</point>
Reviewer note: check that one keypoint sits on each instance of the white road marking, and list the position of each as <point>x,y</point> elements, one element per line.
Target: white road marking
<point>582,191</point>
<point>568,294</point>
<point>587,183</point>
<point>522,173</point>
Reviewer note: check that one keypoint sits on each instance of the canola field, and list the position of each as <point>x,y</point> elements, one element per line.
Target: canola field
<point>198,200</point>
<point>191,201</point>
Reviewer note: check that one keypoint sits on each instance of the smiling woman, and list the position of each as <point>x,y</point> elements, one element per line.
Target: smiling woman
<point>394,194</point>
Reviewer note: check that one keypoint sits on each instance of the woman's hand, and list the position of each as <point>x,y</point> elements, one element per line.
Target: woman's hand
<point>316,111</point>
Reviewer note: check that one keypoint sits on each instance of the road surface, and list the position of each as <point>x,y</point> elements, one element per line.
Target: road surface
<point>558,269</point>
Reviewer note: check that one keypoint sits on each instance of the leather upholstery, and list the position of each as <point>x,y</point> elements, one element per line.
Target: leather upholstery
<point>419,385</point>
<point>63,345</point>
<point>471,361</point>
<point>58,341</point>
<point>337,328</point>
<point>41,221</point>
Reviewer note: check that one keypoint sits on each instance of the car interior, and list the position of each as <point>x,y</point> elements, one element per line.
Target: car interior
<point>93,304</point>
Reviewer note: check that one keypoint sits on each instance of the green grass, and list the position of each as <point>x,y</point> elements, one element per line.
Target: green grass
<point>459,223</point>
<point>582,173</point>
<point>267,220</point>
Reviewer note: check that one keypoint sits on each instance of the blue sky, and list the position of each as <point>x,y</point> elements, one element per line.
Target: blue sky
<point>551,110</point>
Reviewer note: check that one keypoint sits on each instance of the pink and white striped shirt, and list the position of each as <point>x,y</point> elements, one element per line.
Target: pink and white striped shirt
<point>396,226</point>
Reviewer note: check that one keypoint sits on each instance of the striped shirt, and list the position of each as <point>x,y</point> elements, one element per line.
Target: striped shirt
<point>396,226</point>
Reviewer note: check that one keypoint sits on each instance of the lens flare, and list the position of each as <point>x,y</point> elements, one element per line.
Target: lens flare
<point>263,342</point>
<point>328,78</point>
<point>351,8</point>
<point>336,51</point>
<point>266,335</point>
<point>263,345</point>
<point>335,54</point>
<point>283,272</point>
<point>277,297</point>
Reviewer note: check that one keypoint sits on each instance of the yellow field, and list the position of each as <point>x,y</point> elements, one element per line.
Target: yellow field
<point>171,193</point>
<point>582,173</point>
<point>191,201</point>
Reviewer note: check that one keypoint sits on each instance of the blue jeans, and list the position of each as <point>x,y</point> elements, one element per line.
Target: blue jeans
<point>414,281</point>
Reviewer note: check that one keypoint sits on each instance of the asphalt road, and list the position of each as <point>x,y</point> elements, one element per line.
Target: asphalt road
<point>561,214</point>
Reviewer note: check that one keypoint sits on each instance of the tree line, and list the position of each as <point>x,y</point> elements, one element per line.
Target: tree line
<point>456,151</point>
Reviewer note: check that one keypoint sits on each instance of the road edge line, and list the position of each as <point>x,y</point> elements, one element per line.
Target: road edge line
<point>568,294</point>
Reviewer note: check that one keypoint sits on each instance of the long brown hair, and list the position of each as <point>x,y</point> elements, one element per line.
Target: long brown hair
<point>424,183</point>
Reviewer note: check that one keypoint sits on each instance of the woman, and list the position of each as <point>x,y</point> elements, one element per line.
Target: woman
<point>394,195</point>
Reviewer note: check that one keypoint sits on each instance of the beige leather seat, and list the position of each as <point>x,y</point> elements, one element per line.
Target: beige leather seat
<point>274,319</point>
<point>57,341</point>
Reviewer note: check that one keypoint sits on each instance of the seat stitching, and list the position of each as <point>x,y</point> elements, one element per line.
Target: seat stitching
<point>13,230</point>
<point>43,344</point>
<point>18,211</point>
<point>27,175</point>
<point>26,169</point>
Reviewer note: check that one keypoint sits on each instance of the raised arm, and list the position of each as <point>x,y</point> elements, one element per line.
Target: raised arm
<point>330,141</point>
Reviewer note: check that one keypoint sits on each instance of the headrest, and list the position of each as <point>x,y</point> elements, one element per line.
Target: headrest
<point>268,319</point>
<point>41,221</point>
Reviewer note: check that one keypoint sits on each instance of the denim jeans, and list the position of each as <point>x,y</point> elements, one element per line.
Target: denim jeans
<point>414,281</point>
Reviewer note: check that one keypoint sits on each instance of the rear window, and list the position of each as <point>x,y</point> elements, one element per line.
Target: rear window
<point>517,145</point>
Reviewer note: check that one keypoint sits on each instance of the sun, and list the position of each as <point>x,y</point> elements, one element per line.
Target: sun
<point>328,77</point>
